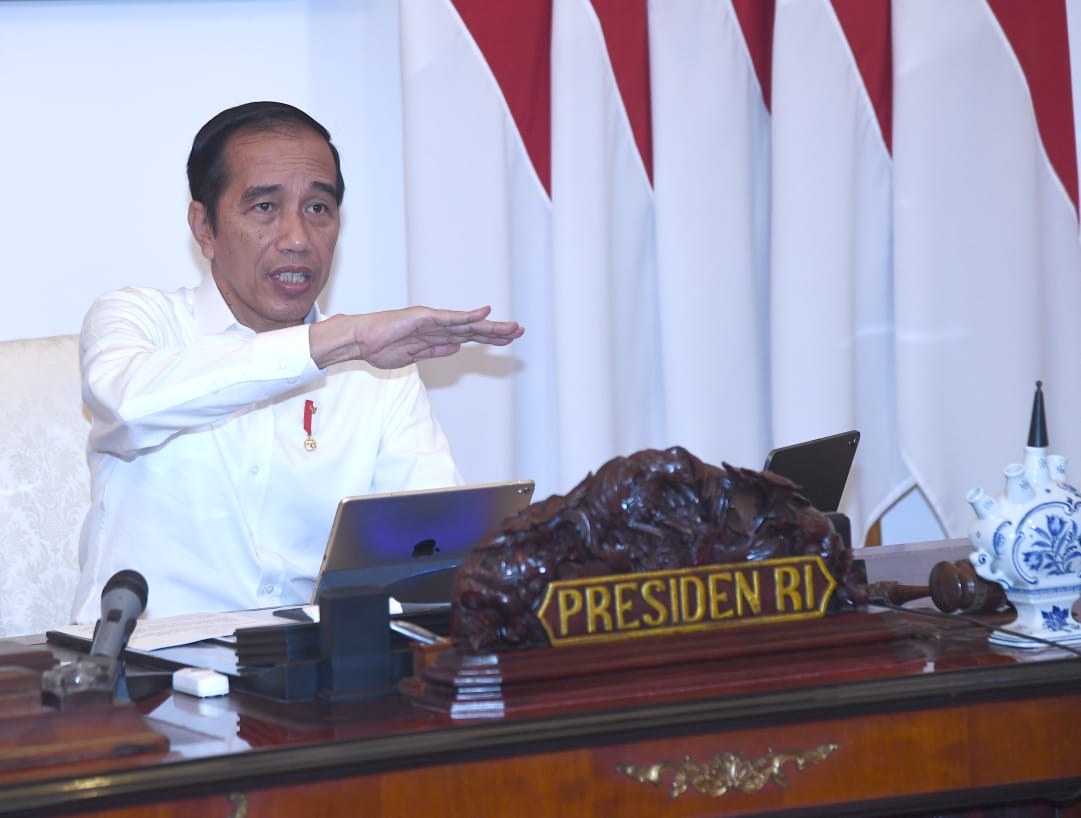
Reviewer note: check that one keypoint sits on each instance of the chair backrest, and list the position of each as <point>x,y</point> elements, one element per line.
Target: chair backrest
<point>44,481</point>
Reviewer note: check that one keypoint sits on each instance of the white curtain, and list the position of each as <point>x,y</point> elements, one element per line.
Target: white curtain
<point>736,224</point>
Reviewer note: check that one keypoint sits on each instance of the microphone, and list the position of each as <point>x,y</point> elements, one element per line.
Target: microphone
<point>122,600</point>
<point>95,679</point>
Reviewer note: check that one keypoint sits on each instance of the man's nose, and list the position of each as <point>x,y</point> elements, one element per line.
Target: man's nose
<point>293,235</point>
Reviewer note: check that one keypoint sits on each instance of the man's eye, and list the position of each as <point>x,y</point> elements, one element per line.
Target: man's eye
<point>319,207</point>
<point>264,207</point>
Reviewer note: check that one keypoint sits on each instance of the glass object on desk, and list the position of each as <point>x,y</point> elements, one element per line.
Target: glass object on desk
<point>89,681</point>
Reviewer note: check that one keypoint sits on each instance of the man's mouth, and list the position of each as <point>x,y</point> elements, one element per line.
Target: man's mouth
<point>291,277</point>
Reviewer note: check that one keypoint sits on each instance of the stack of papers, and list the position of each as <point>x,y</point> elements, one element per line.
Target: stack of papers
<point>185,629</point>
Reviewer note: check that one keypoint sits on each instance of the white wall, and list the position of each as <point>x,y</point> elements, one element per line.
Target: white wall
<point>100,101</point>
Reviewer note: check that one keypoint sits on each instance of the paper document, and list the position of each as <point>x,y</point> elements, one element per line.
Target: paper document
<point>185,629</point>
<point>170,631</point>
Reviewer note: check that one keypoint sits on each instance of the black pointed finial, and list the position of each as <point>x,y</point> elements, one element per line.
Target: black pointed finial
<point>1037,430</point>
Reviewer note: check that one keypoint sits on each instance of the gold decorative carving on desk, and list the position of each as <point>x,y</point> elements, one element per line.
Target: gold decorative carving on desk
<point>240,805</point>
<point>726,771</point>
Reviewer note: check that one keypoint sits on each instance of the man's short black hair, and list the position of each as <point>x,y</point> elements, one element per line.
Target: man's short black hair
<point>207,172</point>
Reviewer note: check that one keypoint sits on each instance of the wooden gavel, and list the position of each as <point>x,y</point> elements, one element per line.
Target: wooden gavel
<point>955,586</point>
<point>952,586</point>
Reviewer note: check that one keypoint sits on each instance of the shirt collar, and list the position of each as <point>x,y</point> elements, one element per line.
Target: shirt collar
<point>213,316</point>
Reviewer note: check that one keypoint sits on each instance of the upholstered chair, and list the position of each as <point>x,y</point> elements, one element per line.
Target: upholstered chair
<point>44,481</point>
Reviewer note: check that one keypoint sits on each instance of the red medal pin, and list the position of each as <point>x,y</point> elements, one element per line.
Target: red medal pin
<point>309,410</point>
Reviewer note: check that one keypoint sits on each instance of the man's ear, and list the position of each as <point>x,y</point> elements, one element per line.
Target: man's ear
<point>201,229</point>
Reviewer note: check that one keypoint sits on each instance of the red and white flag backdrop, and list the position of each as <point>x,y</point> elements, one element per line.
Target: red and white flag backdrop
<point>735,224</point>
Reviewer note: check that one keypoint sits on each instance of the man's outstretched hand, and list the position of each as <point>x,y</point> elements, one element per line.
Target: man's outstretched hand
<point>396,338</point>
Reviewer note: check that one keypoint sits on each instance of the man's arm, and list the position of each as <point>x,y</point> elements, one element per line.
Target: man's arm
<point>145,377</point>
<point>395,338</point>
<point>147,374</point>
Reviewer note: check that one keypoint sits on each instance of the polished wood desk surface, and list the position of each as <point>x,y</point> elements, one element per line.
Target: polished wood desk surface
<point>942,722</point>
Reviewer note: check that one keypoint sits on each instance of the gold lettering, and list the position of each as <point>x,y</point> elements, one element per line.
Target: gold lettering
<point>598,602</point>
<point>718,597</point>
<point>570,604</point>
<point>625,606</point>
<point>699,612</point>
<point>651,620</point>
<point>786,579</point>
<point>691,598</point>
<point>751,594</point>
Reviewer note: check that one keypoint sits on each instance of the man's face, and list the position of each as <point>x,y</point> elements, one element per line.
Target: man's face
<point>277,224</point>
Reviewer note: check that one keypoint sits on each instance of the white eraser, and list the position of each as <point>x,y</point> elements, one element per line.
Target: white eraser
<point>201,682</point>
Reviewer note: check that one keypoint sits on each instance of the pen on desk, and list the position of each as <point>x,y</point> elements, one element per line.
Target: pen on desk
<point>296,614</point>
<point>408,629</point>
<point>416,632</point>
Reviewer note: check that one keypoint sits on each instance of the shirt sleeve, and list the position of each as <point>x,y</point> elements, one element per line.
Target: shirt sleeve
<point>147,375</point>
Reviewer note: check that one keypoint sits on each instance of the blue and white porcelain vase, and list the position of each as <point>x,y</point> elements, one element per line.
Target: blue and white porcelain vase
<point>1028,540</point>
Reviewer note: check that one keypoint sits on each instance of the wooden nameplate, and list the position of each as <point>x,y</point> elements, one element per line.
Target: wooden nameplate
<point>632,671</point>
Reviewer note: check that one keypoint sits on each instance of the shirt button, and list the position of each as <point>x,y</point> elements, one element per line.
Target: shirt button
<point>254,469</point>
<point>269,589</point>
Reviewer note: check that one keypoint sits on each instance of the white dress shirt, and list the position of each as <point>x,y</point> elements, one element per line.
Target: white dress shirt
<point>200,479</point>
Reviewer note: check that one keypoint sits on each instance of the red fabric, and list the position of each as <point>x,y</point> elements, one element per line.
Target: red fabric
<point>626,33</point>
<point>756,20</point>
<point>1041,43</point>
<point>866,24</point>
<point>516,39</point>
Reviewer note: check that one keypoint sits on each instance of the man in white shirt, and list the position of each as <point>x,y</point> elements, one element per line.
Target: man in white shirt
<point>228,419</point>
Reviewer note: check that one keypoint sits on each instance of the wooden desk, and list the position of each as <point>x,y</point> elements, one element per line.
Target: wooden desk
<point>941,723</point>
